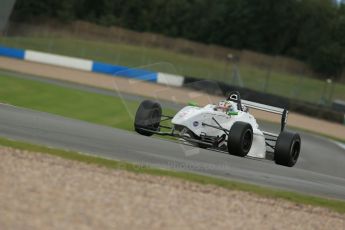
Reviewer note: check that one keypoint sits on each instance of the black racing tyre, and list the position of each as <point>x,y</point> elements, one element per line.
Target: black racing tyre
<point>287,149</point>
<point>240,139</point>
<point>148,116</point>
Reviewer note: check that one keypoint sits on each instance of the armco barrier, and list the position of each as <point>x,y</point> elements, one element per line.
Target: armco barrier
<point>139,74</point>
<point>58,60</point>
<point>93,66</point>
<point>12,52</point>
<point>170,79</point>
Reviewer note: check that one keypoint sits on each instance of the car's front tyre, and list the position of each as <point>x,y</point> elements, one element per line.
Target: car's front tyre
<point>147,117</point>
<point>240,139</point>
<point>287,149</point>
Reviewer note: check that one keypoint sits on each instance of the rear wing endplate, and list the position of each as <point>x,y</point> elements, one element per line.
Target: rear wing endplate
<point>271,109</point>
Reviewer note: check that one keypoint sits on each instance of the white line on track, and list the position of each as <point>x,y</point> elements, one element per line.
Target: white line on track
<point>340,144</point>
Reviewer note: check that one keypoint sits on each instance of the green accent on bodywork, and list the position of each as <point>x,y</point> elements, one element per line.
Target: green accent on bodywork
<point>232,113</point>
<point>192,103</point>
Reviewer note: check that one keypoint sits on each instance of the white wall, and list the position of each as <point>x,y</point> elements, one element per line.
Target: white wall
<point>59,60</point>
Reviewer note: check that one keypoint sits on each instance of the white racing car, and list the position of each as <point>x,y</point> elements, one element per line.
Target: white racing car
<point>227,126</point>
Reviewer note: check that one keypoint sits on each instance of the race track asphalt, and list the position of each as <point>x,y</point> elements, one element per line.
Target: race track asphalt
<point>320,169</point>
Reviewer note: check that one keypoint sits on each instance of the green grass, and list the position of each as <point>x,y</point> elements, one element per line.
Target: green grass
<point>91,107</point>
<point>335,205</point>
<point>294,86</point>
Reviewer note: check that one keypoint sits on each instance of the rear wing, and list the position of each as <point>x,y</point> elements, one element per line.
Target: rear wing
<point>271,109</point>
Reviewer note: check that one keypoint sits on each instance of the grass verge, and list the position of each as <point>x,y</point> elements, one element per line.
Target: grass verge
<point>335,205</point>
<point>72,103</point>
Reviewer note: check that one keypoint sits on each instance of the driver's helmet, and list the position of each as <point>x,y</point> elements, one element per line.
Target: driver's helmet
<point>225,106</point>
<point>233,96</point>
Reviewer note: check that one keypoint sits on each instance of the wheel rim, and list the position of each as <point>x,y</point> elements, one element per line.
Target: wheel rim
<point>247,140</point>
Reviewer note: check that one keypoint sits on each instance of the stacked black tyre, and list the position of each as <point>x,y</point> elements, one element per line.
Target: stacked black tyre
<point>287,149</point>
<point>148,117</point>
<point>240,139</point>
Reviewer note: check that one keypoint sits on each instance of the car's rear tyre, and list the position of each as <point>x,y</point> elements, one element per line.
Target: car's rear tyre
<point>147,117</point>
<point>240,139</point>
<point>287,149</point>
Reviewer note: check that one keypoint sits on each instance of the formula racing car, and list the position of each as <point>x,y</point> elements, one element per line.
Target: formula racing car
<point>227,126</point>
